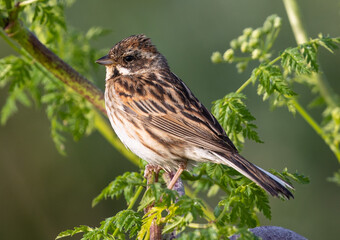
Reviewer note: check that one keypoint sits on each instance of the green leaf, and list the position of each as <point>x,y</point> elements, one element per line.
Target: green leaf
<point>214,170</point>
<point>175,223</point>
<point>235,118</point>
<point>294,176</point>
<point>128,221</point>
<point>127,184</point>
<point>154,214</point>
<point>75,230</point>
<point>293,60</point>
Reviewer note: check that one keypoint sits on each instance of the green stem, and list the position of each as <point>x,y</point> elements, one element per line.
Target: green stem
<point>132,203</point>
<point>200,225</point>
<point>294,16</point>
<point>316,127</point>
<point>274,60</point>
<point>307,117</point>
<point>135,197</point>
<point>301,37</point>
<point>221,214</point>
<point>326,91</point>
<point>244,85</point>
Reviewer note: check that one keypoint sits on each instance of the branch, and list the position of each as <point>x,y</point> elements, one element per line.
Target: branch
<point>55,65</point>
<point>151,174</point>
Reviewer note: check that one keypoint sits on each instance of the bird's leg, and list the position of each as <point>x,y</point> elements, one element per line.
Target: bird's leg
<point>181,168</point>
<point>152,168</point>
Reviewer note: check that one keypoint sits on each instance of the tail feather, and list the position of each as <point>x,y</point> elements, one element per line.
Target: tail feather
<point>272,184</point>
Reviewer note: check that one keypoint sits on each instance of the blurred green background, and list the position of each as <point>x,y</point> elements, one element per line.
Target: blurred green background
<point>43,193</point>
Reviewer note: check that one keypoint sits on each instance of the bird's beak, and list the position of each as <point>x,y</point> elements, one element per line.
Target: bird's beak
<point>106,60</point>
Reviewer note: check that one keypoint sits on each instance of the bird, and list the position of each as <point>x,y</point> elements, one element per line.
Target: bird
<point>159,119</point>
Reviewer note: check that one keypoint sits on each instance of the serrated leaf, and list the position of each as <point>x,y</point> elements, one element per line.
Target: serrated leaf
<point>214,171</point>
<point>71,232</point>
<point>128,221</point>
<point>129,180</point>
<point>234,117</point>
<point>173,225</point>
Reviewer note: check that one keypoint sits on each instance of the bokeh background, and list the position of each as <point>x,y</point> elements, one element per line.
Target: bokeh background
<point>43,193</point>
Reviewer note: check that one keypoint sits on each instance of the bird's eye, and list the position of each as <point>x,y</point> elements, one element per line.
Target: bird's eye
<point>129,58</point>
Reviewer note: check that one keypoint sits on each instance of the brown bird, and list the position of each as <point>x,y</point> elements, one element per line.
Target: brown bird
<point>159,119</point>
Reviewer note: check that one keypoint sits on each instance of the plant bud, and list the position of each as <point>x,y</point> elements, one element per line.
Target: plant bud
<point>256,53</point>
<point>256,33</point>
<point>244,47</point>
<point>253,42</point>
<point>228,55</point>
<point>247,31</point>
<point>267,26</point>
<point>234,44</point>
<point>241,39</point>
<point>216,57</point>
<point>277,22</point>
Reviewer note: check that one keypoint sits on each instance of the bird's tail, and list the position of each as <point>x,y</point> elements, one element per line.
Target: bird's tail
<point>272,184</point>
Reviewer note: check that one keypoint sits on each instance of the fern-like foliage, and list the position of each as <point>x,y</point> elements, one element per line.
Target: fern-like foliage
<point>123,185</point>
<point>237,211</point>
<point>30,84</point>
<point>275,77</point>
<point>235,118</point>
<point>234,214</point>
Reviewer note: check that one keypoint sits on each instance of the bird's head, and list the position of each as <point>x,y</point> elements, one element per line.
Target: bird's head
<point>133,55</point>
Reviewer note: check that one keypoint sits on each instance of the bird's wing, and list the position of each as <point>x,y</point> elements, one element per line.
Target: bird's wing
<point>166,103</point>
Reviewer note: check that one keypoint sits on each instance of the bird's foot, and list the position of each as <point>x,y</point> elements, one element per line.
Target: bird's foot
<point>149,169</point>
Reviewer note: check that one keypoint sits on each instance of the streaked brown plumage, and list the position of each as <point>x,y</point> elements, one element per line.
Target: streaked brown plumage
<point>159,119</point>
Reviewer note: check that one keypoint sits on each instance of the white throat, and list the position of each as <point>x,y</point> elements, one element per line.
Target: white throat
<point>123,70</point>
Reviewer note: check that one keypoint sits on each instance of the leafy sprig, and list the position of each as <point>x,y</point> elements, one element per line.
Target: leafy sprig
<point>275,79</point>
<point>235,118</point>
<point>29,83</point>
<point>238,210</point>
<point>126,184</point>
